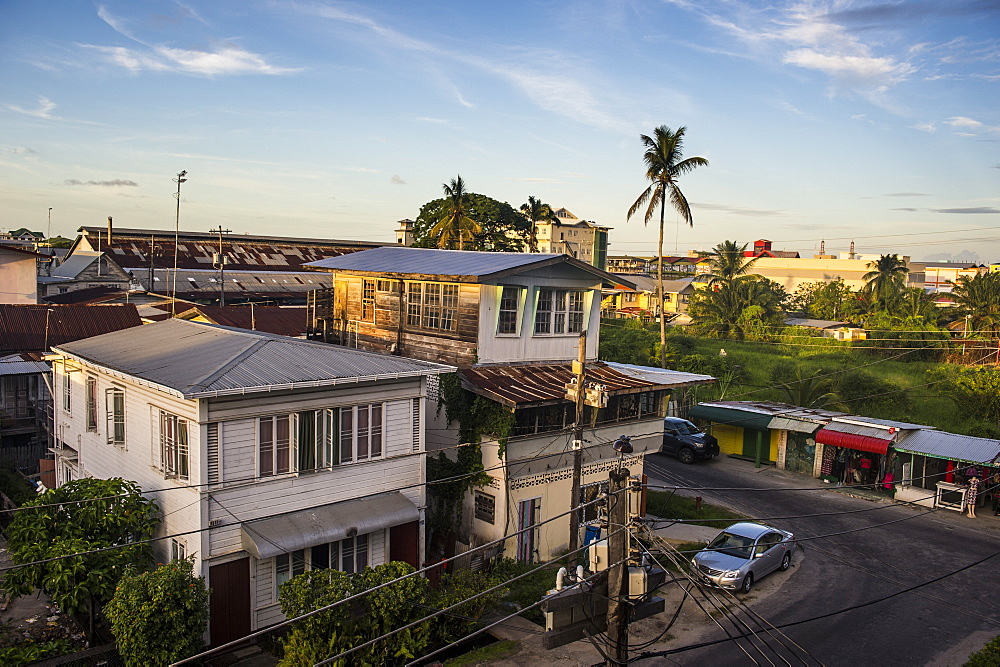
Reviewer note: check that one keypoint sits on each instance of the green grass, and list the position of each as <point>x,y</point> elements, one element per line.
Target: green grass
<point>484,654</point>
<point>671,506</point>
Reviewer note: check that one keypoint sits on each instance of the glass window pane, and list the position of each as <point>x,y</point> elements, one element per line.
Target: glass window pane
<point>376,431</point>
<point>346,434</point>
<point>361,553</point>
<point>319,559</point>
<point>281,444</point>
<point>266,437</point>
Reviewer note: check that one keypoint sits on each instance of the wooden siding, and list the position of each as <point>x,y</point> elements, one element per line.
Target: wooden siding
<point>284,401</point>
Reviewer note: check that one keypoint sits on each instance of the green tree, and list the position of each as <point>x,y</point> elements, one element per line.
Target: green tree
<point>330,632</point>
<point>665,163</point>
<point>915,303</point>
<point>627,342</point>
<point>535,211</point>
<point>454,224</point>
<point>977,301</point>
<point>888,333</point>
<point>159,617</point>
<point>80,516</point>
<point>975,391</point>
<point>826,300</point>
<point>748,307</point>
<point>886,280</point>
<point>868,395</point>
<point>814,389</point>
<point>502,229</point>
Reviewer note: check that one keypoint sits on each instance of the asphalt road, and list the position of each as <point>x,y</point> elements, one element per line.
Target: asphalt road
<point>937,624</point>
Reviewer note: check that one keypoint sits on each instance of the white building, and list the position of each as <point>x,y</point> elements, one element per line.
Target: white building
<point>569,235</point>
<point>267,455</point>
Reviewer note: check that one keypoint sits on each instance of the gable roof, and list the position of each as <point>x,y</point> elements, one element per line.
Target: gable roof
<point>20,250</point>
<point>78,262</point>
<point>86,295</point>
<point>467,266</point>
<point>197,360</point>
<point>25,327</point>
<point>648,284</point>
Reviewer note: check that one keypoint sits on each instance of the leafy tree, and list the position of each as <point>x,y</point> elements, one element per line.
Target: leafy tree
<point>330,632</point>
<point>974,390</point>
<point>868,395</point>
<point>809,390</point>
<point>748,307</point>
<point>978,300</point>
<point>453,222</point>
<point>664,165</point>
<point>915,303</point>
<point>822,300</point>
<point>887,333</point>
<point>627,342</point>
<point>886,280</point>
<point>460,621</point>
<point>159,617</point>
<point>80,516</point>
<point>535,211</point>
<point>502,229</point>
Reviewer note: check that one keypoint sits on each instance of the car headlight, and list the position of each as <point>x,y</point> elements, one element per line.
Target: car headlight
<point>694,562</point>
<point>731,574</point>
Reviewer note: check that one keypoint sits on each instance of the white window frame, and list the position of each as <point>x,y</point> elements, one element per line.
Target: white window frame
<point>355,552</point>
<point>323,450</point>
<point>67,391</point>
<point>560,311</point>
<point>432,306</point>
<point>178,550</point>
<point>175,450</point>
<point>115,418</point>
<point>361,433</point>
<point>508,294</point>
<point>90,401</point>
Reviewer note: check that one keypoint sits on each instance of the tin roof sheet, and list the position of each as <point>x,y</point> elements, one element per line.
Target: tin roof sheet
<point>22,367</point>
<point>25,327</point>
<point>951,446</point>
<point>286,321</point>
<point>196,360</point>
<point>526,385</point>
<point>75,264</point>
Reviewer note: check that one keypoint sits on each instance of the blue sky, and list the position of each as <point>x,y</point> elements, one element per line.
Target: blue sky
<point>872,121</point>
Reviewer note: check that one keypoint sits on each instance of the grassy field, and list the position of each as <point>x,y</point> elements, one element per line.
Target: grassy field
<point>759,359</point>
<point>668,505</point>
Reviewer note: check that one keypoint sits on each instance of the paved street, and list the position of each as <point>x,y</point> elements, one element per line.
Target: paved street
<point>937,624</point>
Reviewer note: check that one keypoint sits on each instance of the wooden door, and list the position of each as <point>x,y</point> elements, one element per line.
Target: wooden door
<point>229,604</point>
<point>404,543</point>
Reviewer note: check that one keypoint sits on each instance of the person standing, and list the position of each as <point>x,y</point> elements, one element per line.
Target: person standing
<point>971,495</point>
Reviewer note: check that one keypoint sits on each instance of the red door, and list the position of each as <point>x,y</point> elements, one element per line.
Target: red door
<point>404,543</point>
<point>229,604</point>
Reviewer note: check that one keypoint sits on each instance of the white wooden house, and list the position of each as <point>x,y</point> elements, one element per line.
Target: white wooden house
<point>267,455</point>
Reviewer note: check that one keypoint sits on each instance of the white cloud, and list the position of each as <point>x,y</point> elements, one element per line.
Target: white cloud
<point>925,127</point>
<point>44,109</point>
<point>963,122</point>
<point>865,71</point>
<point>969,127</point>
<point>227,59</point>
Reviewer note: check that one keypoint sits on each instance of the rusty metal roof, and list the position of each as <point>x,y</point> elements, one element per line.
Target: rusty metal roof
<point>285,321</point>
<point>527,385</point>
<point>23,326</point>
<point>135,249</point>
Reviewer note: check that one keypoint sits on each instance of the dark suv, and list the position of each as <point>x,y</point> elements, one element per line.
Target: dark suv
<point>683,439</point>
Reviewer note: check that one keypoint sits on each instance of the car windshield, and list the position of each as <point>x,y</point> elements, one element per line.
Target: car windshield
<point>685,428</point>
<point>733,545</point>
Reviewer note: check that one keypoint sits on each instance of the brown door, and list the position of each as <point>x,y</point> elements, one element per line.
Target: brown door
<point>404,543</point>
<point>229,605</point>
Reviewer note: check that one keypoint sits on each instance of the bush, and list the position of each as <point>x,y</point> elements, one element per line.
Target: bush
<point>868,395</point>
<point>159,617</point>
<point>988,656</point>
<point>13,484</point>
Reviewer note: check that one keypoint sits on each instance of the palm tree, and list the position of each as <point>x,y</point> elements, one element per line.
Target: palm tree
<point>886,279</point>
<point>664,164</point>
<point>455,222</point>
<point>728,262</point>
<point>978,300</point>
<point>810,390</point>
<point>535,211</point>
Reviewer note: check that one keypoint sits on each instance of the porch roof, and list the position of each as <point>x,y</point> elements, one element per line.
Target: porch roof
<point>519,386</point>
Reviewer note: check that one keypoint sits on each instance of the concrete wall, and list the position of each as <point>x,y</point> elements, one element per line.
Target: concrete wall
<point>18,278</point>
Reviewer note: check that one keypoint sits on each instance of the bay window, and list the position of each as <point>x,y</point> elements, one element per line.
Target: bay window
<point>559,311</point>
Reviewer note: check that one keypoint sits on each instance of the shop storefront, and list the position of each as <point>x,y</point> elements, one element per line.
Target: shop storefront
<point>856,452</point>
<point>937,466</point>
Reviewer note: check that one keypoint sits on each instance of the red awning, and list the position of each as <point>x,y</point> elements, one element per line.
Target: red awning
<point>864,443</point>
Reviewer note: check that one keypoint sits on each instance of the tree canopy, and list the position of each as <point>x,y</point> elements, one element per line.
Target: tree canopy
<point>501,228</point>
<point>80,516</point>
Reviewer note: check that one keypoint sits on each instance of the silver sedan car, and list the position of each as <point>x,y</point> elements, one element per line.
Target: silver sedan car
<point>742,554</point>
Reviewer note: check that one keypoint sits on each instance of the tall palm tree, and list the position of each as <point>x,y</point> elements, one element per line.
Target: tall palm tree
<point>665,162</point>
<point>977,299</point>
<point>886,280</point>
<point>455,222</point>
<point>727,263</point>
<point>535,211</point>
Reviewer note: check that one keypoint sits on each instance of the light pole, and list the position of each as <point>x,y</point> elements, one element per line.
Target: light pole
<point>48,234</point>
<point>177,233</point>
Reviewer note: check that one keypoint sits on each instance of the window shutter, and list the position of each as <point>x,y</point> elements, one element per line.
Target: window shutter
<point>183,449</point>
<point>331,452</point>
<point>588,302</point>
<point>156,428</point>
<point>293,439</point>
<point>416,444</point>
<point>212,442</point>
<point>109,406</point>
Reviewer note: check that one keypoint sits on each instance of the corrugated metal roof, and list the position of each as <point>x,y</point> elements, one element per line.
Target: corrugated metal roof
<point>199,284</point>
<point>23,326</point>
<point>73,265</point>
<point>285,321</point>
<point>88,295</point>
<point>950,446</point>
<point>661,376</point>
<point>526,385</point>
<point>21,367</point>
<point>816,415</point>
<point>648,283</point>
<point>902,426</point>
<point>462,265</point>
<point>198,360</point>
<point>787,424</point>
<point>814,324</point>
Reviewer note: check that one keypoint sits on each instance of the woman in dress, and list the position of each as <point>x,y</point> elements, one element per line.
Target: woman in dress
<point>971,495</point>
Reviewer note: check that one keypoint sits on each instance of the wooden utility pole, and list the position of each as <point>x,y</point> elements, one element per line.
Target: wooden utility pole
<point>580,370</point>
<point>618,606</point>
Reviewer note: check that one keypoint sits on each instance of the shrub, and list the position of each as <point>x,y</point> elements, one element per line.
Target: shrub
<point>988,656</point>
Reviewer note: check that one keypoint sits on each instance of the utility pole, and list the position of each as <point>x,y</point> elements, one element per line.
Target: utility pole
<point>177,234</point>
<point>618,606</point>
<point>219,262</point>
<point>580,370</point>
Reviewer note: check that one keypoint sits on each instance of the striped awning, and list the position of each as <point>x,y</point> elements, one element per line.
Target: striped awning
<point>863,443</point>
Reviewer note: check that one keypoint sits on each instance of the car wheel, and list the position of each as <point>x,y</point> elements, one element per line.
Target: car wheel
<point>685,455</point>
<point>786,562</point>
<point>747,583</point>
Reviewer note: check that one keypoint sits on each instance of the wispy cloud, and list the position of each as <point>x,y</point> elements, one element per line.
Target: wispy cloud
<point>925,127</point>
<point>970,127</point>
<point>43,110</point>
<point>396,180</point>
<point>226,59</point>
<point>975,210</point>
<point>907,194</point>
<point>737,210</point>
<point>115,183</point>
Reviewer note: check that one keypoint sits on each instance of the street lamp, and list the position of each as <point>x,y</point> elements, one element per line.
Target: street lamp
<point>177,233</point>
